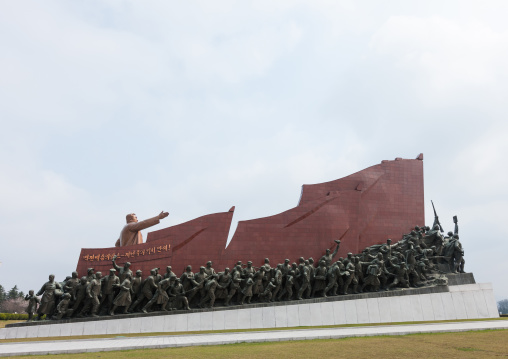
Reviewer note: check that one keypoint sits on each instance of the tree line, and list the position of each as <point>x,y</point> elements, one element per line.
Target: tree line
<point>12,301</point>
<point>502,306</point>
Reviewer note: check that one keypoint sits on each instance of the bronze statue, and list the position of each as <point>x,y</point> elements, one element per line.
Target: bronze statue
<point>456,255</point>
<point>309,263</point>
<point>157,277</point>
<point>386,249</point>
<point>124,298</point>
<point>90,275</point>
<point>247,291</point>
<point>334,278</point>
<point>328,257</point>
<point>235,284</point>
<point>401,276</point>
<point>108,286</point>
<point>187,279</point>
<point>131,234</point>
<point>160,297</point>
<point>305,280</point>
<point>277,281</point>
<point>48,297</point>
<point>136,284</point>
<point>420,258</point>
<point>320,279</point>
<point>147,289</point>
<point>210,287</point>
<point>169,272</point>
<point>177,292</point>
<point>224,281</point>
<point>288,286</point>
<point>71,285</point>
<point>123,271</point>
<point>372,278</point>
<point>258,278</point>
<point>63,307</point>
<point>93,292</point>
<point>383,272</point>
<point>359,268</point>
<point>268,293</point>
<point>200,279</point>
<point>434,237</point>
<point>80,294</point>
<point>33,301</point>
<point>208,269</point>
<point>350,268</point>
<point>286,267</point>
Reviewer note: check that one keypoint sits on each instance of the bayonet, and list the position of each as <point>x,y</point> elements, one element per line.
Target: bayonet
<point>436,218</point>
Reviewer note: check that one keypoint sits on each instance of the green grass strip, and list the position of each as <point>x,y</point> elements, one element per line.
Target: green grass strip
<point>152,334</point>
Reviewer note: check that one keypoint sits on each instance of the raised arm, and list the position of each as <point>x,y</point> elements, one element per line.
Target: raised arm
<point>138,226</point>
<point>336,248</point>
<point>114,263</point>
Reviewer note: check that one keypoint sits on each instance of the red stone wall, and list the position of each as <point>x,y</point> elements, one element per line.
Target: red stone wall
<point>193,242</point>
<point>365,208</point>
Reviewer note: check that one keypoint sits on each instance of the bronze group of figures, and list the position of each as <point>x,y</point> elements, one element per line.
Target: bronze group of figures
<point>419,259</point>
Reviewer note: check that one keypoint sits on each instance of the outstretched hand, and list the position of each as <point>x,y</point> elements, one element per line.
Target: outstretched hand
<point>163,215</point>
<point>337,241</point>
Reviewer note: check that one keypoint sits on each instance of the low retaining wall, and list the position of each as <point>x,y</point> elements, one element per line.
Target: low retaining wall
<point>469,301</point>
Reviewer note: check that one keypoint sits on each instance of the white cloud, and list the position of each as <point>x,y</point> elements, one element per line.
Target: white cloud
<point>484,159</point>
<point>450,58</point>
<point>111,107</point>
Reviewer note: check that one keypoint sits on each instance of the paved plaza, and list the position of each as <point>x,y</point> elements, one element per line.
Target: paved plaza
<point>147,342</point>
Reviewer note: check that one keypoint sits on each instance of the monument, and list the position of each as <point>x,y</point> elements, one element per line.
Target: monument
<point>366,232</point>
<point>362,209</point>
<point>131,235</point>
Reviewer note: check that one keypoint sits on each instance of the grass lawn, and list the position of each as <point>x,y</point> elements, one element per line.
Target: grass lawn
<point>475,344</point>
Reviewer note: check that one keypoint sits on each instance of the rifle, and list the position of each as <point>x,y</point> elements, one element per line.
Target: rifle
<point>436,218</point>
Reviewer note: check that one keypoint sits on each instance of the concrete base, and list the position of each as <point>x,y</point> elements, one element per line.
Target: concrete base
<point>74,346</point>
<point>468,301</point>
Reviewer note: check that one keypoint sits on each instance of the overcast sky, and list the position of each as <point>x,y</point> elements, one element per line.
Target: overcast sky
<point>113,107</point>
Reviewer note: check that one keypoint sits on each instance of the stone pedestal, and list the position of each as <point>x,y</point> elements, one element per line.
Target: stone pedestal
<point>465,301</point>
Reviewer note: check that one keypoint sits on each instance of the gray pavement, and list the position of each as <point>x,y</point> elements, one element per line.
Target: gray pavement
<point>146,342</point>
